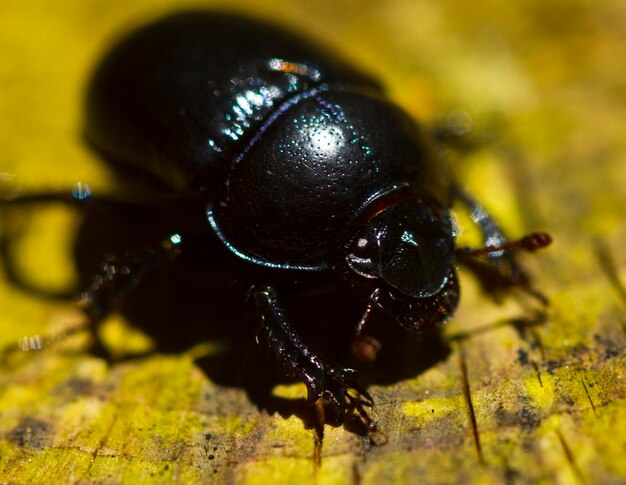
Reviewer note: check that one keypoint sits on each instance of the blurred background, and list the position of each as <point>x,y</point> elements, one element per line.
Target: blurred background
<point>542,84</point>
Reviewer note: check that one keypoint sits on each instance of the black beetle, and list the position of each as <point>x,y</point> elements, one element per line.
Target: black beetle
<point>297,162</point>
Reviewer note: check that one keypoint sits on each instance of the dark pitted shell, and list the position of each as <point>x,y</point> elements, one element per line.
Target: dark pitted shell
<point>311,171</point>
<point>178,99</point>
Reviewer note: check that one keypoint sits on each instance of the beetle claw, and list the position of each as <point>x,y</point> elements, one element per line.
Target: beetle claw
<point>365,397</point>
<point>334,387</point>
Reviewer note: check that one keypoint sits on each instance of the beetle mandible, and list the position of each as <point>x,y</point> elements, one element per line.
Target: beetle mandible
<point>297,162</point>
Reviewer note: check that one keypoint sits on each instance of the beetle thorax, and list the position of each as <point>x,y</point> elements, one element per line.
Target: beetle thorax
<point>297,189</point>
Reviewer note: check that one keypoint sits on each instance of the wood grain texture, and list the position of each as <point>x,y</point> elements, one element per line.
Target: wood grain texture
<point>512,394</point>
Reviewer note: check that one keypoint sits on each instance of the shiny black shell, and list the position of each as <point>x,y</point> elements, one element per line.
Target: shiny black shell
<point>285,145</point>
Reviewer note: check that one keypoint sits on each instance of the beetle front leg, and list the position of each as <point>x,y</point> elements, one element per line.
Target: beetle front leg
<point>365,347</point>
<point>502,264</point>
<point>324,380</point>
<point>492,234</point>
<point>495,264</point>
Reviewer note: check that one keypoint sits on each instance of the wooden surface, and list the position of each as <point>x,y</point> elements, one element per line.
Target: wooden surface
<point>516,396</point>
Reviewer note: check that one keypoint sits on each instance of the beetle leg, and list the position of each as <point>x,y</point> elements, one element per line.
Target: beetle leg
<point>324,380</point>
<point>365,347</point>
<point>497,270</point>
<point>14,277</point>
<point>9,234</point>
<point>116,277</point>
<point>372,301</point>
<point>459,131</point>
<point>502,261</point>
<point>490,229</point>
<point>79,197</point>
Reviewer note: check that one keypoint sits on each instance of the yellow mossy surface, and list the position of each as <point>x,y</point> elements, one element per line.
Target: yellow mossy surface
<point>548,395</point>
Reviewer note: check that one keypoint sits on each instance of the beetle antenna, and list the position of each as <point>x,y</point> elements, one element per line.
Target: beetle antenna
<point>531,243</point>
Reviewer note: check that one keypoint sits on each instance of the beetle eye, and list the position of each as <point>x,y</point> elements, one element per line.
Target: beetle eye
<point>360,257</point>
<point>360,248</point>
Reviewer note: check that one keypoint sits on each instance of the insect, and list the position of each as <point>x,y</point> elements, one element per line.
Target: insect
<point>231,128</point>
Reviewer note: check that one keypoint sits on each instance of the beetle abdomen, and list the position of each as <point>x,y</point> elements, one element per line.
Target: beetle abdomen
<point>178,99</point>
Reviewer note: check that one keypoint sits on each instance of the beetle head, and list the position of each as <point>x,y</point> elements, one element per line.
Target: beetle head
<point>410,247</point>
